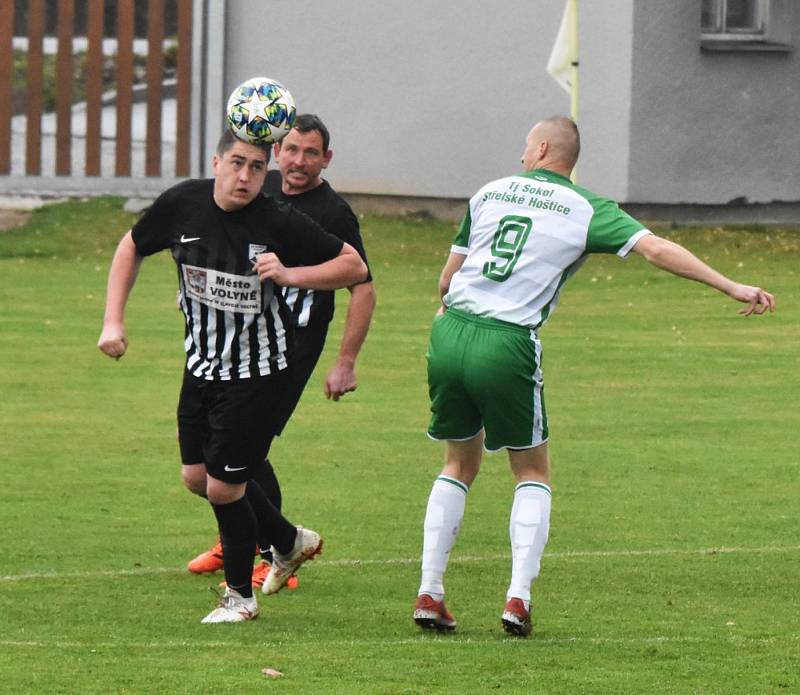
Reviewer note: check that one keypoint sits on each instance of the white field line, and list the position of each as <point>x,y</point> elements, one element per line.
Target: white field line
<point>565,555</point>
<point>431,641</point>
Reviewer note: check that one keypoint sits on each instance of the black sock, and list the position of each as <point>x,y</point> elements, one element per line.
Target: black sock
<point>265,477</point>
<point>238,531</point>
<point>273,528</point>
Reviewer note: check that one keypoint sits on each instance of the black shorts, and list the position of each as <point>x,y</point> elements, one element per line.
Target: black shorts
<point>306,349</point>
<point>228,425</point>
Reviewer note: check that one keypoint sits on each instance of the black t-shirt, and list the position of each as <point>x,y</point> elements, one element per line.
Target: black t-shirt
<point>314,308</point>
<point>236,326</point>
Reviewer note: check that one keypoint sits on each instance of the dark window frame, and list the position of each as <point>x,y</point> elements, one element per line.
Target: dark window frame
<point>769,30</point>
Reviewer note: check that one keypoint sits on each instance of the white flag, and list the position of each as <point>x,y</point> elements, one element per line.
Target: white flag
<point>564,54</point>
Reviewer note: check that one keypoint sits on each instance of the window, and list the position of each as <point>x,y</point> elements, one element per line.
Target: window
<point>734,17</point>
<point>730,25</point>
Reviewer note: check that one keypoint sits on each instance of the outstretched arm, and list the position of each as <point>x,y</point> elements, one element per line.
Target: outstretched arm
<point>674,258</point>
<point>121,278</point>
<point>342,376</point>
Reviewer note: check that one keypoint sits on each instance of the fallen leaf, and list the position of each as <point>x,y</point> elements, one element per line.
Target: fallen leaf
<point>271,672</point>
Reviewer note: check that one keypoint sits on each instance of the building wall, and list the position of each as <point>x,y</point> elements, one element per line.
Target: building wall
<point>711,127</point>
<point>605,43</point>
<point>422,98</point>
<point>434,99</point>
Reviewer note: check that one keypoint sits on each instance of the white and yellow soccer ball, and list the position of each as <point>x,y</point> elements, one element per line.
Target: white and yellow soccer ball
<point>260,110</point>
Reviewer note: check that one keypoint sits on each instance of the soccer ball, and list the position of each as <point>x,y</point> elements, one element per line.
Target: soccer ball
<point>260,110</point>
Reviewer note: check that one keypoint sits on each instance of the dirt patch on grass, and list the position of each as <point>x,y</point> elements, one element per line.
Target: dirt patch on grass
<point>13,218</point>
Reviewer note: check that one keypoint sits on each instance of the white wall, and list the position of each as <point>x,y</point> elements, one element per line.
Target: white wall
<point>422,98</point>
<point>434,98</point>
<point>605,40</point>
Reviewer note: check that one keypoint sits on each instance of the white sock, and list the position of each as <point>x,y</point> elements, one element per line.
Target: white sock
<point>442,522</point>
<point>528,529</point>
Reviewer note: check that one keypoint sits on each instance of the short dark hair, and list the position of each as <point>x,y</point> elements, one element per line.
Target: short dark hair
<point>308,123</point>
<point>229,138</point>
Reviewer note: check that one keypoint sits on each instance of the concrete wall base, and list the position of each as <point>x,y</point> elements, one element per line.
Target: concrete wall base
<point>753,214</point>
<point>453,209</point>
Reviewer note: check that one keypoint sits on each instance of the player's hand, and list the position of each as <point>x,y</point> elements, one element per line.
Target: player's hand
<point>269,267</point>
<point>757,300</point>
<point>113,340</point>
<point>340,380</point>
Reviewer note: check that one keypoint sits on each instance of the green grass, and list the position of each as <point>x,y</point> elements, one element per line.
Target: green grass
<point>674,554</point>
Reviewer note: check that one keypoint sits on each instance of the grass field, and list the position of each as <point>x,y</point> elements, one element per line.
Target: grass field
<point>674,555</point>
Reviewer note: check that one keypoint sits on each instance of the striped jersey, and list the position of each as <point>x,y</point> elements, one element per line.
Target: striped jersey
<point>314,308</point>
<point>236,326</point>
<point>524,236</point>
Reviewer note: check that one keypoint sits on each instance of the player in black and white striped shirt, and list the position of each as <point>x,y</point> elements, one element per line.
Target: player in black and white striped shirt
<point>232,246</point>
<point>301,158</point>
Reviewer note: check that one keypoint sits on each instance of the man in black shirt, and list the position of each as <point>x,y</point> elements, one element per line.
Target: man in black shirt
<point>234,249</point>
<point>301,157</point>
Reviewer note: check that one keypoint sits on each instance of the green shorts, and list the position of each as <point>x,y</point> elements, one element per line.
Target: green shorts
<point>485,374</point>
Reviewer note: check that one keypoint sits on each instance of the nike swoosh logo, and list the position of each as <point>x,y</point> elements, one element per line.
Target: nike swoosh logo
<point>233,470</point>
<point>185,239</point>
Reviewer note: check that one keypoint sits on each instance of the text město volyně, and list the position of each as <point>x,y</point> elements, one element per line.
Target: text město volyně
<point>233,289</point>
<point>226,287</point>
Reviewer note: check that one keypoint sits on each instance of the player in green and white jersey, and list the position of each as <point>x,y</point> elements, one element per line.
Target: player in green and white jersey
<point>521,240</point>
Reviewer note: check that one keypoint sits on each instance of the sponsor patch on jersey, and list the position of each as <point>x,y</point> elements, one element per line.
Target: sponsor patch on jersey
<point>195,279</point>
<point>240,294</point>
<point>255,250</point>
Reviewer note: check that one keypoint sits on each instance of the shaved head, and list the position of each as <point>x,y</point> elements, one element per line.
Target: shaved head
<point>562,135</point>
<point>553,144</point>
